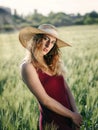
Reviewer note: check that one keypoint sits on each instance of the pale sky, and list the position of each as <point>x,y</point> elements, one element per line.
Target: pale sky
<point>45,6</point>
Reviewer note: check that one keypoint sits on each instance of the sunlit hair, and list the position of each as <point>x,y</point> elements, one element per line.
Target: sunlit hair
<point>52,59</point>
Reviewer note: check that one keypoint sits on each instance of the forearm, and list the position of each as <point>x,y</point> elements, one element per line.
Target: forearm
<point>60,109</point>
<point>57,107</point>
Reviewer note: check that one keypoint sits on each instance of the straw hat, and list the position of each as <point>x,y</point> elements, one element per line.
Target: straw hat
<point>27,33</point>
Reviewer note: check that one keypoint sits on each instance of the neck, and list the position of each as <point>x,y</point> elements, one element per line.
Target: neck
<point>41,61</point>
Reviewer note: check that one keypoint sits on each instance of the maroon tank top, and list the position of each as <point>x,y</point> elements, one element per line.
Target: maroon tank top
<point>55,88</point>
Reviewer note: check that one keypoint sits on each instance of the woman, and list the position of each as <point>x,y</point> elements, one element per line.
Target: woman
<point>43,73</point>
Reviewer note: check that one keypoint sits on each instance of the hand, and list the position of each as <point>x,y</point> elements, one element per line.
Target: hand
<point>77,119</point>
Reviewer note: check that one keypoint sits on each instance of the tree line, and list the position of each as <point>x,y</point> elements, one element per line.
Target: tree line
<point>58,19</point>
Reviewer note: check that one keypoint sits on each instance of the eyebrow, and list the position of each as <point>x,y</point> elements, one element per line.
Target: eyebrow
<point>55,40</point>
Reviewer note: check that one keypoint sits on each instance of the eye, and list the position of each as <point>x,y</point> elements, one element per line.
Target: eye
<point>53,42</point>
<point>46,38</point>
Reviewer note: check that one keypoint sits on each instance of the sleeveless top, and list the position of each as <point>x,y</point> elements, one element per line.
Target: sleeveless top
<point>55,88</point>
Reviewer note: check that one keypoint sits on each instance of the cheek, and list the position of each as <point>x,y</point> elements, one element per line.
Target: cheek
<point>51,46</point>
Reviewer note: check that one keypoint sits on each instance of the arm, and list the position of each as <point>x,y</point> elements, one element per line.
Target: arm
<point>72,101</point>
<point>71,98</point>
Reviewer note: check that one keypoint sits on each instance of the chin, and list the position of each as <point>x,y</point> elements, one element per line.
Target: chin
<point>45,53</point>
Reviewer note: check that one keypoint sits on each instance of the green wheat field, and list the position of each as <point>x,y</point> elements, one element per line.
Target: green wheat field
<point>18,106</point>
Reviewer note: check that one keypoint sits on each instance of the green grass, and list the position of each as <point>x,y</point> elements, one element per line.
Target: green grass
<point>19,108</point>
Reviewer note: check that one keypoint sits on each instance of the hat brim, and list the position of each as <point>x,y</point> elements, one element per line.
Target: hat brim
<point>27,33</point>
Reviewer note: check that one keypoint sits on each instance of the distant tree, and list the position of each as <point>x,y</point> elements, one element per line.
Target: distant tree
<point>79,15</point>
<point>90,18</point>
<point>93,14</point>
<point>60,19</point>
<point>36,18</point>
<point>78,19</point>
<point>51,15</point>
<point>15,12</point>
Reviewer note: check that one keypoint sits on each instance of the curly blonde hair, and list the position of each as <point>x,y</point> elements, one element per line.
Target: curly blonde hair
<point>52,59</point>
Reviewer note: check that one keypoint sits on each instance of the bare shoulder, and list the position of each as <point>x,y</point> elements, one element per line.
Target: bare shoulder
<point>27,67</point>
<point>28,70</point>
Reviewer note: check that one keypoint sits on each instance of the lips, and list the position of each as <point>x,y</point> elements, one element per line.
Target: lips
<point>45,49</point>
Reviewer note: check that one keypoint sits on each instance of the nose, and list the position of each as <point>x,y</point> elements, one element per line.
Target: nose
<point>47,44</point>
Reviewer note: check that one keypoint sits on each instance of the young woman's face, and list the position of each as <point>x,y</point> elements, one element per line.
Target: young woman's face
<point>48,43</point>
